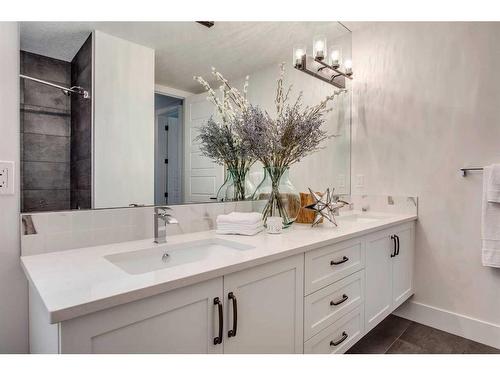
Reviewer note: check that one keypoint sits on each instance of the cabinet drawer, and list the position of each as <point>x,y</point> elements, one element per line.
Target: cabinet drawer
<point>327,305</point>
<point>339,337</point>
<point>331,263</point>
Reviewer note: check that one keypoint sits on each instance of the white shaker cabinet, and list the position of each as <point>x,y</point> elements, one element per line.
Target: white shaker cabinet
<point>267,304</point>
<point>264,309</point>
<point>402,265</point>
<point>181,321</point>
<point>320,301</point>
<point>388,271</point>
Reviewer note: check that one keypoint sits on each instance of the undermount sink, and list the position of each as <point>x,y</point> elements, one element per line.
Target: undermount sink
<point>167,256</point>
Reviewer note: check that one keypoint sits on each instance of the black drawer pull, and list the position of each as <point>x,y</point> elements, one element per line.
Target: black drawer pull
<point>341,340</point>
<point>342,300</point>
<point>232,332</point>
<point>336,263</point>
<point>397,241</point>
<point>218,303</point>
<point>393,254</point>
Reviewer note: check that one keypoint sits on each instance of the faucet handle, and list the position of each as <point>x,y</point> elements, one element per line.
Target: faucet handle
<point>162,208</point>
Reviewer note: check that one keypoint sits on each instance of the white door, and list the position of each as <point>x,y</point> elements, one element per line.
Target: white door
<point>402,285</point>
<point>185,320</point>
<point>378,276</point>
<point>202,177</point>
<point>269,308</point>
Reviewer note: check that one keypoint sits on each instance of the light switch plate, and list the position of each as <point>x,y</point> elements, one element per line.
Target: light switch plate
<point>7,178</point>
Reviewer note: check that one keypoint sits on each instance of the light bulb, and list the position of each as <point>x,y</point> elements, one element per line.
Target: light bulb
<point>334,58</point>
<point>298,53</point>
<point>348,66</point>
<point>319,47</point>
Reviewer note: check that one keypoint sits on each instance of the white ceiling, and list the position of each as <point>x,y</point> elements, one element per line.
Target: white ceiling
<point>184,49</point>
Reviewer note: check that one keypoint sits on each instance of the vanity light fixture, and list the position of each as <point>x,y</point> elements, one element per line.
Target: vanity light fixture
<point>320,65</point>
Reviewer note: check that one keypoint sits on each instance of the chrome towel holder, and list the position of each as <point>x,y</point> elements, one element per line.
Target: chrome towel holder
<point>465,170</point>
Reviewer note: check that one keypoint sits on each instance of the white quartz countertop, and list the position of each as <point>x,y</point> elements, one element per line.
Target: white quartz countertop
<point>76,282</point>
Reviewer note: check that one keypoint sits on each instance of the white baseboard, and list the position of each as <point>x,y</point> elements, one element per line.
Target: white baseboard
<point>473,329</point>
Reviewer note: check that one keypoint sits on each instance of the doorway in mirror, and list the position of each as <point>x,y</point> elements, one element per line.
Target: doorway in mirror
<point>168,158</point>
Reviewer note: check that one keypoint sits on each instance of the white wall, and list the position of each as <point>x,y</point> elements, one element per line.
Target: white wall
<point>13,285</point>
<point>426,103</point>
<point>123,122</point>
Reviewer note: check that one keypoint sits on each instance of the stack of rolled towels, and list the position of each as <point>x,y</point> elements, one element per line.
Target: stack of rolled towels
<point>244,223</point>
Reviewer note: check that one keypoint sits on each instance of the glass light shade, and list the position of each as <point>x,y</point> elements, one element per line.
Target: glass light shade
<point>319,48</point>
<point>348,66</point>
<point>298,53</point>
<point>335,56</point>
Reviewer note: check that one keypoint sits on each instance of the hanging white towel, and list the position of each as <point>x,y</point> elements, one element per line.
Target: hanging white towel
<point>491,216</point>
<point>494,184</point>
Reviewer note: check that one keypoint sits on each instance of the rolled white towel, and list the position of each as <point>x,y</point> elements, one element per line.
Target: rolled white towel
<point>240,218</point>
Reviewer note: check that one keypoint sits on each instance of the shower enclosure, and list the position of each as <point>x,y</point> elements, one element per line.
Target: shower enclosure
<point>56,131</point>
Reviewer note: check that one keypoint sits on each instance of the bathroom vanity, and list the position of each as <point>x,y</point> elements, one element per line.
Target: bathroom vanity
<point>308,290</point>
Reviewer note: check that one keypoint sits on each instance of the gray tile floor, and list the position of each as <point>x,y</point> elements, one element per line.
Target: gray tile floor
<point>396,335</point>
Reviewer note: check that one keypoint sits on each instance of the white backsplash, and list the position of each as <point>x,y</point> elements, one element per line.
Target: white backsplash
<point>66,230</point>
<point>385,203</point>
<point>57,231</point>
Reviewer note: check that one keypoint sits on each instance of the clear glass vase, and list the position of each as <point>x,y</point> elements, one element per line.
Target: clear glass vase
<point>283,200</point>
<point>236,187</point>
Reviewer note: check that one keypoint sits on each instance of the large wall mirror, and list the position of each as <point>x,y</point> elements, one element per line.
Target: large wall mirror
<point>110,110</point>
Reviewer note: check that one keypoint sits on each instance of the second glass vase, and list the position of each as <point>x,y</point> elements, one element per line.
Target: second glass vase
<point>283,200</point>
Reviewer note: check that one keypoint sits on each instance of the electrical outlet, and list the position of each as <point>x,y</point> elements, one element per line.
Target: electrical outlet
<point>6,177</point>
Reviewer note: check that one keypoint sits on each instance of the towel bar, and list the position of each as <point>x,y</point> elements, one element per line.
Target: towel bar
<point>465,170</point>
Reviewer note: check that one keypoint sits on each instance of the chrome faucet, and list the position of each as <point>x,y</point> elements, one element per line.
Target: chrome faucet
<point>161,212</point>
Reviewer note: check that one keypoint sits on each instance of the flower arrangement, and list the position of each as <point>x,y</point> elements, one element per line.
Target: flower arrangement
<point>246,133</point>
<point>218,139</point>
<point>283,141</point>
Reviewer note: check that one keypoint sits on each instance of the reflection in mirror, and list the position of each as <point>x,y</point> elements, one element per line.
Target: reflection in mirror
<point>133,139</point>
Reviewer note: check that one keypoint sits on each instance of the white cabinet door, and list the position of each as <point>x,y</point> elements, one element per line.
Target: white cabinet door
<point>184,320</point>
<point>378,276</point>
<point>269,306</point>
<point>402,266</point>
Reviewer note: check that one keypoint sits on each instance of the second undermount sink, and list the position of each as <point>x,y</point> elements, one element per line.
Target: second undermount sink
<point>362,218</point>
<point>167,256</point>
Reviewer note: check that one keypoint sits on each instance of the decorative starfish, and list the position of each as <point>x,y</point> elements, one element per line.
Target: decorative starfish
<point>325,206</point>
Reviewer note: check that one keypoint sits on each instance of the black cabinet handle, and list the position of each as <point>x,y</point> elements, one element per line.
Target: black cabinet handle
<point>397,241</point>
<point>342,300</point>
<point>336,263</point>
<point>218,303</point>
<point>232,332</point>
<point>339,341</point>
<point>393,254</point>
